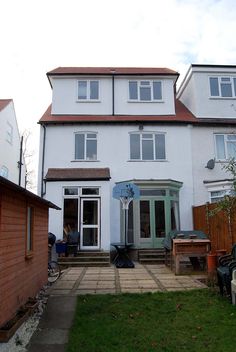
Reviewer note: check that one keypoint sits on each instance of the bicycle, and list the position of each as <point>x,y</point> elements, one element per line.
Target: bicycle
<point>54,271</point>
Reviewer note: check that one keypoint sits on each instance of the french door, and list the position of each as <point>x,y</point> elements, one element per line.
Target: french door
<point>90,223</point>
<point>152,223</point>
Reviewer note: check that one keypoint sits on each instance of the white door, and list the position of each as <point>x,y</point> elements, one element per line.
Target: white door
<point>90,223</point>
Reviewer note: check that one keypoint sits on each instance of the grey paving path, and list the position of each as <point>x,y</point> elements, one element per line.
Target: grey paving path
<point>53,330</point>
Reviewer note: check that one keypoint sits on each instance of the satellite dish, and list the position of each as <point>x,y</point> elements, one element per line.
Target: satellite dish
<point>210,164</point>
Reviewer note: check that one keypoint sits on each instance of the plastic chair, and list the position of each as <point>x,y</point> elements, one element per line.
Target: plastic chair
<point>227,263</point>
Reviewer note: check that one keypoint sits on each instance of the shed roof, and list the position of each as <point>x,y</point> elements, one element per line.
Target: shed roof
<point>6,184</point>
<point>82,174</point>
<point>4,103</point>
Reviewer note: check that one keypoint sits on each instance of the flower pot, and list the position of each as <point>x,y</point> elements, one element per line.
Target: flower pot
<point>211,262</point>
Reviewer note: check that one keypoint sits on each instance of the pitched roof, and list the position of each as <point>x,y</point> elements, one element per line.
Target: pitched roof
<point>82,174</point>
<point>4,103</point>
<point>112,71</point>
<point>182,115</point>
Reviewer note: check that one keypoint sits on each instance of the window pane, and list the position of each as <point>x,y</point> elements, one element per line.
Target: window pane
<point>134,146</point>
<point>4,172</point>
<point>94,90</point>
<point>79,146</point>
<point>157,94</point>
<point>70,215</point>
<point>220,147</point>
<point>91,149</point>
<point>160,229</point>
<point>90,212</point>
<point>226,90</point>
<point>130,234</point>
<point>231,137</point>
<point>71,191</point>
<point>231,149</point>
<point>82,90</point>
<point>90,191</point>
<point>90,237</point>
<point>160,146</point>
<point>133,90</point>
<point>174,215</point>
<point>145,93</point>
<point>145,219</point>
<point>147,152</point>
<point>234,81</point>
<point>91,135</point>
<point>152,192</point>
<point>147,135</point>
<point>145,83</point>
<point>214,88</point>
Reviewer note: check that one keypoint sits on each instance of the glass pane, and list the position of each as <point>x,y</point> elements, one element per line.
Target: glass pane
<point>160,146</point>
<point>91,149</point>
<point>79,146</point>
<point>157,94</point>
<point>90,191</point>
<point>145,83</point>
<point>231,149</point>
<point>231,137</point>
<point>145,93</point>
<point>214,88</point>
<point>147,135</point>
<point>226,90</point>
<point>234,81</point>
<point>133,90</point>
<point>91,135</point>
<point>174,215</point>
<point>152,192</point>
<point>173,193</point>
<point>90,212</point>
<point>134,146</point>
<point>147,150</point>
<point>90,236</point>
<point>93,89</point>
<point>220,146</point>
<point>70,216</point>
<point>71,191</point>
<point>82,90</point>
<point>160,229</point>
<point>130,235</point>
<point>145,219</point>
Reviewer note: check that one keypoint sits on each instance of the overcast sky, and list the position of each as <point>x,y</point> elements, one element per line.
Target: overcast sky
<point>40,35</point>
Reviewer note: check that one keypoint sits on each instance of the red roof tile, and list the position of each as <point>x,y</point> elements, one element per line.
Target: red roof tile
<point>112,71</point>
<point>85,174</point>
<point>182,115</point>
<point>4,103</point>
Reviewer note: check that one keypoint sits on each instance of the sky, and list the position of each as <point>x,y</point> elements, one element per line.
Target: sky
<point>40,35</point>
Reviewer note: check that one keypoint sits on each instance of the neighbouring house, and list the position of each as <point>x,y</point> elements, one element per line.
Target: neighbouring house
<point>23,246</point>
<point>12,164</point>
<point>111,125</point>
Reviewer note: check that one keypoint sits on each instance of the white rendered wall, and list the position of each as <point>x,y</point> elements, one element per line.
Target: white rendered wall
<point>10,152</point>
<point>113,152</point>
<point>203,147</point>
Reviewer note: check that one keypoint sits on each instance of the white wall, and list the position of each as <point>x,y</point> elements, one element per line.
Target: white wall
<point>10,152</point>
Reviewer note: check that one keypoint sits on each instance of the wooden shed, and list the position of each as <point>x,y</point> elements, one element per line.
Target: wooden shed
<point>23,246</point>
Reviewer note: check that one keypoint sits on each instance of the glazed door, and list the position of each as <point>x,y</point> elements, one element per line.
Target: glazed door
<point>152,223</point>
<point>90,223</point>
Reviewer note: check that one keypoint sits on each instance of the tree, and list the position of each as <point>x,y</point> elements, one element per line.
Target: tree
<point>28,155</point>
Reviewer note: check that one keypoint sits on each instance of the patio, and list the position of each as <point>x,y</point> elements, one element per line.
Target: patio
<point>143,278</point>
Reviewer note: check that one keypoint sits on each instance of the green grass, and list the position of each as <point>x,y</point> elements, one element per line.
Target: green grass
<point>192,321</point>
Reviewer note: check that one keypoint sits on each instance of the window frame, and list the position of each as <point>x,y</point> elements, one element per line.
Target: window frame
<point>88,91</point>
<point>140,86</point>
<point>220,82</point>
<point>226,142</point>
<point>141,147</point>
<point>86,139</point>
<point>29,236</point>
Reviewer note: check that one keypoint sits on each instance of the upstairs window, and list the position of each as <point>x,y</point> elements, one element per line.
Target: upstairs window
<point>145,91</point>
<point>223,87</point>
<point>9,133</point>
<point>88,90</point>
<point>225,146</point>
<point>147,146</point>
<point>86,146</point>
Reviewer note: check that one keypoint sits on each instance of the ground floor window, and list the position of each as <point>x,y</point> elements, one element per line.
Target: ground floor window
<point>155,214</point>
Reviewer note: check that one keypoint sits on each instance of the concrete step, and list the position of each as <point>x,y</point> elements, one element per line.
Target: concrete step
<point>152,256</point>
<point>84,259</point>
<point>83,263</point>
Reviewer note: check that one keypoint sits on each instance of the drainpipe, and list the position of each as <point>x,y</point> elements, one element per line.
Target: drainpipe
<point>43,157</point>
<point>113,95</point>
<point>20,162</point>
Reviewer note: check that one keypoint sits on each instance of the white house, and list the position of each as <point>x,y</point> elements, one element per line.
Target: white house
<point>11,157</point>
<point>111,125</point>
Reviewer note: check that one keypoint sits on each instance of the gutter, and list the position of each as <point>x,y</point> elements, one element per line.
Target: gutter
<point>43,158</point>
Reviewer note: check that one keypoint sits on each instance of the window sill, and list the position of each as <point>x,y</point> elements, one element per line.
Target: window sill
<point>149,161</point>
<point>145,101</point>
<point>88,101</point>
<point>84,161</point>
<point>222,98</point>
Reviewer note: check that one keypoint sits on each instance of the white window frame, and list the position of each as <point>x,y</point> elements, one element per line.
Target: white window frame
<point>221,81</point>
<point>140,85</point>
<point>86,139</point>
<point>219,186</point>
<point>227,157</point>
<point>9,135</point>
<point>141,139</point>
<point>88,90</point>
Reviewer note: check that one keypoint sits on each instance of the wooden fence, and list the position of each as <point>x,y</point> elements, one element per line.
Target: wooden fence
<point>215,226</point>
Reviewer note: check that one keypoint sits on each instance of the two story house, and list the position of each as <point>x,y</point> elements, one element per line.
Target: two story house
<point>112,125</point>
<point>12,164</point>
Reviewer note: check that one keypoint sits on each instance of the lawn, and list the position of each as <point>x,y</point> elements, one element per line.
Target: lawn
<point>198,320</point>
